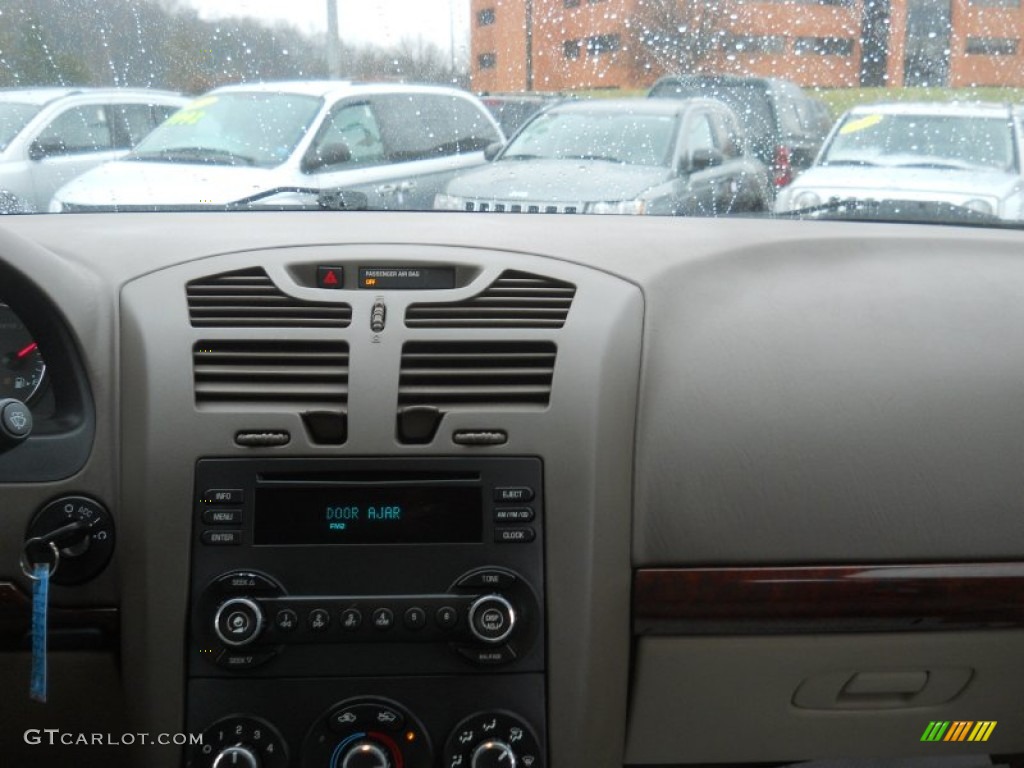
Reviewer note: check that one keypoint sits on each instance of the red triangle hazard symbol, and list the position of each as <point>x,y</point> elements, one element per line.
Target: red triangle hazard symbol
<point>330,278</point>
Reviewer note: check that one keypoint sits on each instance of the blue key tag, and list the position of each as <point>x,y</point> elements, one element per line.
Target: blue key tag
<point>40,598</point>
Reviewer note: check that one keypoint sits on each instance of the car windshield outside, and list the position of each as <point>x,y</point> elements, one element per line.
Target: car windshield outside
<point>617,138</point>
<point>812,85</point>
<point>924,141</point>
<point>13,117</point>
<point>258,129</point>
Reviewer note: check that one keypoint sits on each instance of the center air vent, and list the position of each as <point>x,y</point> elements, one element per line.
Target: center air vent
<point>304,374</point>
<point>470,374</point>
<point>514,300</point>
<point>248,298</point>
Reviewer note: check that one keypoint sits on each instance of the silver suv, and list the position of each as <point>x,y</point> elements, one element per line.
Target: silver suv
<point>273,144</point>
<point>48,136</point>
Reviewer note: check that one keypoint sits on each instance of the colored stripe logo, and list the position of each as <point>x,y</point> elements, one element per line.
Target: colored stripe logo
<point>959,730</point>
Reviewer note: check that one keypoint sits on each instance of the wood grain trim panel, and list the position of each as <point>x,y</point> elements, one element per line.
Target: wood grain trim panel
<point>865,598</point>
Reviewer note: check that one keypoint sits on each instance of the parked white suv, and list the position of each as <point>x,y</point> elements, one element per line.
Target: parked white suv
<point>257,144</point>
<point>48,136</point>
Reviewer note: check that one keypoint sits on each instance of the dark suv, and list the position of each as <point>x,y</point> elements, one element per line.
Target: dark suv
<point>784,126</point>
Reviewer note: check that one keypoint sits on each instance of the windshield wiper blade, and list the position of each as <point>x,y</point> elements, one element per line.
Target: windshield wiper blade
<point>864,163</point>
<point>604,158</point>
<point>330,199</point>
<point>195,155</point>
<point>917,211</point>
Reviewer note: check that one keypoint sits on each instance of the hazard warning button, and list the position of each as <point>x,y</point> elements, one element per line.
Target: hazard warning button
<point>330,277</point>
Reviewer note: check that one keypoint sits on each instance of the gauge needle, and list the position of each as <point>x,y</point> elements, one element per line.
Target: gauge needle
<point>23,353</point>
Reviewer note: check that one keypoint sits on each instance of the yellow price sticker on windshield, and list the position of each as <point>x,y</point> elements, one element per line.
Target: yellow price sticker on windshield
<point>205,101</point>
<point>860,124</point>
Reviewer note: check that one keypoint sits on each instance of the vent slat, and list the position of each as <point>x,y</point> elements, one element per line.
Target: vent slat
<point>514,300</point>
<point>460,374</point>
<point>299,374</point>
<point>250,299</point>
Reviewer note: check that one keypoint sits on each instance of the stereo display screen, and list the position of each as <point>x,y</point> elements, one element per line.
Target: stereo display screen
<point>368,515</point>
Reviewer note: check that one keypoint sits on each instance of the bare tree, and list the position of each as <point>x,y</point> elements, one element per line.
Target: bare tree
<point>676,36</point>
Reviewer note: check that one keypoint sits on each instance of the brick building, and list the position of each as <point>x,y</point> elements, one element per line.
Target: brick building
<point>561,45</point>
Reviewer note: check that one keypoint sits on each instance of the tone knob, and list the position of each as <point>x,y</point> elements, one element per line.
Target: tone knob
<point>366,754</point>
<point>237,756</point>
<point>492,618</point>
<point>238,621</point>
<point>493,754</point>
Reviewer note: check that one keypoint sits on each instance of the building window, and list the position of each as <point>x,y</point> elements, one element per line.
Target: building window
<point>599,44</point>
<point>824,46</point>
<point>995,3</point>
<point>571,49</point>
<point>992,46</point>
<point>753,44</point>
<point>571,3</point>
<point>487,60</point>
<point>485,17</point>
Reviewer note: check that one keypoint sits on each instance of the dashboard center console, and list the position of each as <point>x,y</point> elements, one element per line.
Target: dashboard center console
<point>333,599</point>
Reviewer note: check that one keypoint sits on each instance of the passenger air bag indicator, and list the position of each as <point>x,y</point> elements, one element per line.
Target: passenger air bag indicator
<point>406,278</point>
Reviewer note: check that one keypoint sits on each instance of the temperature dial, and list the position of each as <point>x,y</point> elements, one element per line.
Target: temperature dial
<point>367,732</point>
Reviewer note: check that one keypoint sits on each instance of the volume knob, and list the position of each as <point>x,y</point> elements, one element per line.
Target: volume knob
<point>238,621</point>
<point>492,619</point>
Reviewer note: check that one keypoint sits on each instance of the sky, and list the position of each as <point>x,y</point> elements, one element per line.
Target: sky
<point>383,22</point>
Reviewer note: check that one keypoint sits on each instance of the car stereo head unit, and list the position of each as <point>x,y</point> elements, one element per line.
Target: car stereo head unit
<point>347,557</point>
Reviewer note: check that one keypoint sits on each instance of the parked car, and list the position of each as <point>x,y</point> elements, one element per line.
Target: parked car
<point>785,127</point>
<point>48,136</point>
<point>512,110</point>
<point>397,144</point>
<point>964,155</point>
<point>619,156</point>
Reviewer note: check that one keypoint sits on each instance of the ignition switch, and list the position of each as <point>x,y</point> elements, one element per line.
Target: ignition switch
<point>82,531</point>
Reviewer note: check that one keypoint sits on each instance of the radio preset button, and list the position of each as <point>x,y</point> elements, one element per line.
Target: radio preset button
<point>513,495</point>
<point>492,618</point>
<point>286,620</point>
<point>238,621</point>
<point>318,620</point>
<point>216,516</point>
<point>222,496</point>
<point>383,619</point>
<point>513,514</point>
<point>415,617</point>
<point>518,535</point>
<point>351,619</point>
<point>446,617</point>
<point>222,538</point>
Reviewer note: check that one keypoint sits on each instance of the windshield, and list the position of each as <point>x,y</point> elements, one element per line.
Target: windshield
<point>923,140</point>
<point>617,138</point>
<point>258,129</point>
<point>752,108</point>
<point>14,117</point>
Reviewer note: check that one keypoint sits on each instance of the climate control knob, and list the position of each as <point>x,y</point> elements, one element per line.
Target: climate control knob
<point>238,621</point>
<point>491,619</point>
<point>493,754</point>
<point>366,754</point>
<point>237,756</point>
